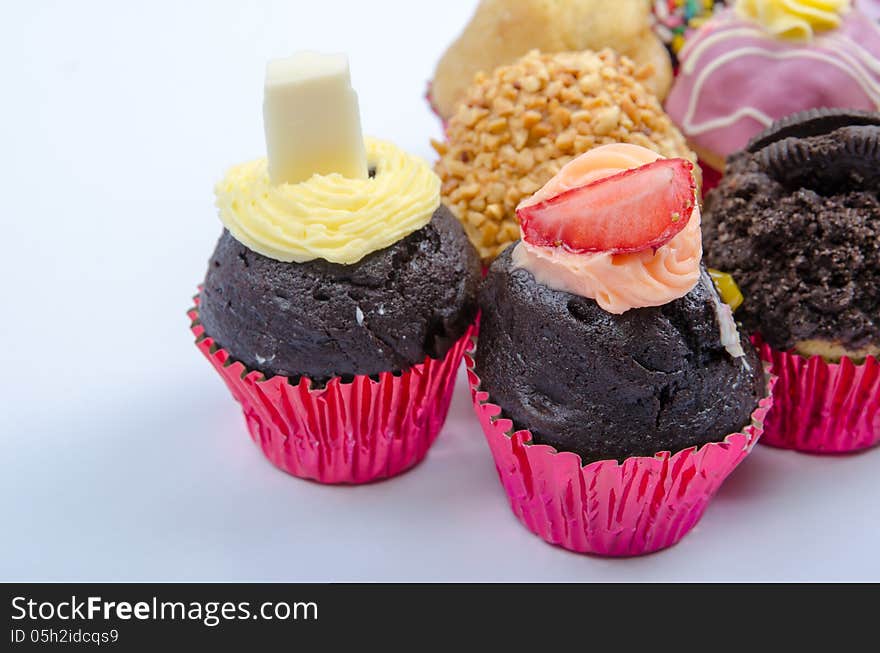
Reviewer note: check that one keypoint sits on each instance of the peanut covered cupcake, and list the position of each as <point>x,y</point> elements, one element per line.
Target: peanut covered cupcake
<point>760,60</point>
<point>339,299</point>
<point>518,126</point>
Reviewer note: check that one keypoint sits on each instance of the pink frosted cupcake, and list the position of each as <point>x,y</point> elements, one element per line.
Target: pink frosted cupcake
<point>341,293</point>
<point>762,60</point>
<point>613,386</point>
<point>796,222</point>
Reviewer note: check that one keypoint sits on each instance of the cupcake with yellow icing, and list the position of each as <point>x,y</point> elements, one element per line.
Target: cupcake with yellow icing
<point>614,388</point>
<point>340,295</point>
<point>501,31</point>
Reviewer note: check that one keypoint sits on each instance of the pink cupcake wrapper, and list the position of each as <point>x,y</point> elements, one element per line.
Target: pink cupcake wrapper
<point>607,508</point>
<point>711,177</point>
<point>822,407</point>
<point>344,432</point>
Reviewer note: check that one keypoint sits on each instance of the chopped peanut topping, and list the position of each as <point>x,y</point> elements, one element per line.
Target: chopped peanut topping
<point>518,126</point>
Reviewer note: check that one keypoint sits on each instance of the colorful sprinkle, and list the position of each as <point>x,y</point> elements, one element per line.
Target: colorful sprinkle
<point>674,20</point>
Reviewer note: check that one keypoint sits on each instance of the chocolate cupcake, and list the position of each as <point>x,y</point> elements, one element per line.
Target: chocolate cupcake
<point>341,293</point>
<point>796,222</point>
<point>757,61</point>
<point>602,336</point>
<point>502,30</point>
<point>386,312</point>
<point>519,125</point>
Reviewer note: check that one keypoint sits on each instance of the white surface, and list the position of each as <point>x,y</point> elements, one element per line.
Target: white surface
<point>122,455</point>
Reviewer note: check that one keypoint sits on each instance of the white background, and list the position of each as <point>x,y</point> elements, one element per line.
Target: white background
<point>122,455</point>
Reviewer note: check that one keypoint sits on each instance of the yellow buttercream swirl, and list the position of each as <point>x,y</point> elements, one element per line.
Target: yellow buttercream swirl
<point>794,19</point>
<point>330,216</point>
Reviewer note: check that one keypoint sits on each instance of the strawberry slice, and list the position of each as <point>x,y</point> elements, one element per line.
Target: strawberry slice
<point>631,211</point>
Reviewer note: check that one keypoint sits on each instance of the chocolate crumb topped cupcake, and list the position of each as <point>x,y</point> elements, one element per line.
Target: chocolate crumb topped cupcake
<point>607,361</point>
<point>339,299</point>
<point>796,222</point>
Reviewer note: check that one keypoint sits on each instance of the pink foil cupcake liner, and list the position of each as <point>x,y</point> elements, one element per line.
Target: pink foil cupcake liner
<point>822,407</point>
<point>607,508</point>
<point>344,432</point>
<point>711,177</point>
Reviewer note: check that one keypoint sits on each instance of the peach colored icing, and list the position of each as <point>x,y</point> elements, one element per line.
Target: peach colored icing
<point>618,282</point>
<point>736,78</point>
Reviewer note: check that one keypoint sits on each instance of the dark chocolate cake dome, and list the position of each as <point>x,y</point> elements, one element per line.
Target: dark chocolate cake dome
<point>386,312</point>
<point>603,348</point>
<point>796,221</point>
<point>611,386</point>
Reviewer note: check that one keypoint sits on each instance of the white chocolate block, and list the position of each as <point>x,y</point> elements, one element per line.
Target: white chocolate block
<point>311,118</point>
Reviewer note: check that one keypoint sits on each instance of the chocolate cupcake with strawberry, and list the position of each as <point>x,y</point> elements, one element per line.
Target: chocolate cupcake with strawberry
<point>614,387</point>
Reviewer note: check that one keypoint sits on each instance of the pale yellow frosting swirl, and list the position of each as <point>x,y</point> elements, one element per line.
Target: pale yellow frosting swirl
<point>330,216</point>
<point>794,19</point>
